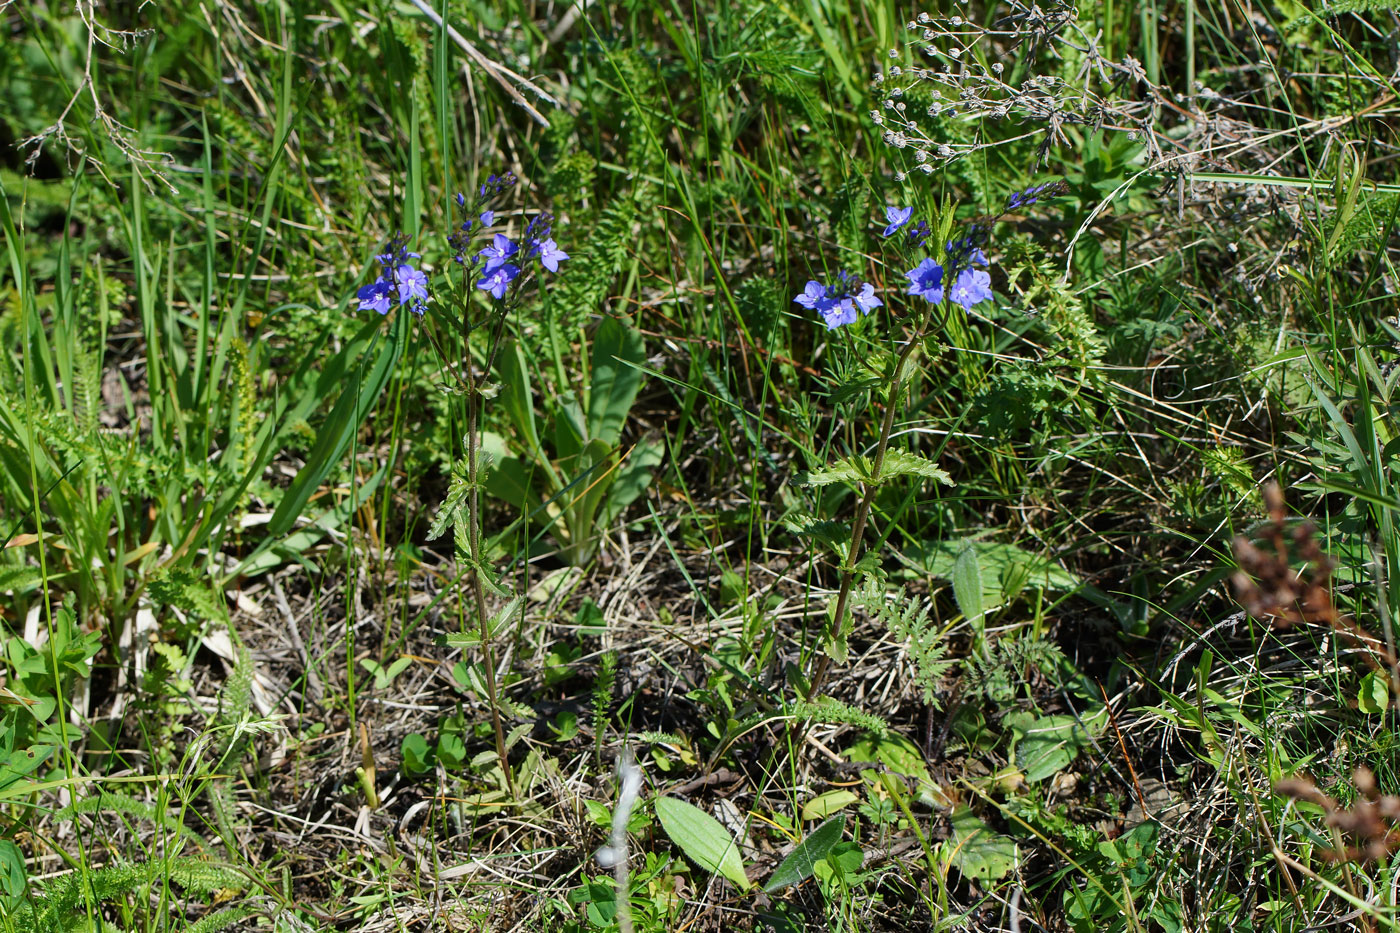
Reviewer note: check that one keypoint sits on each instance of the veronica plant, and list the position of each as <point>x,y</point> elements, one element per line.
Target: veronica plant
<point>941,283</point>
<point>464,313</point>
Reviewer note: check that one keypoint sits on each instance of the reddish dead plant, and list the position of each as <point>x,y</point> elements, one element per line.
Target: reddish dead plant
<point>1269,589</point>
<point>1370,820</point>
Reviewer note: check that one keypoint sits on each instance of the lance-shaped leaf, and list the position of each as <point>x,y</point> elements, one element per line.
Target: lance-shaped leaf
<point>801,861</point>
<point>702,838</point>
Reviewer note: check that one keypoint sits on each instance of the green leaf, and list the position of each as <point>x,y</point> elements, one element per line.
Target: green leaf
<point>903,463</point>
<point>1046,745</point>
<point>516,395</point>
<point>845,470</point>
<point>632,479</point>
<point>415,753</point>
<point>1374,695</point>
<point>356,400</point>
<point>451,750</point>
<point>12,873</point>
<point>22,762</point>
<point>981,854</point>
<point>618,353</point>
<point>901,756</point>
<point>967,586</point>
<point>823,805</point>
<point>274,552</point>
<point>702,838</point>
<point>834,535</point>
<point>1002,566</point>
<point>801,861</point>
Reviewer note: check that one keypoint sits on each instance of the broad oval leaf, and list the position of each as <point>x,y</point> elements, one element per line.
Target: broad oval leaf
<point>801,861</point>
<point>823,805</point>
<point>702,838</point>
<point>981,854</point>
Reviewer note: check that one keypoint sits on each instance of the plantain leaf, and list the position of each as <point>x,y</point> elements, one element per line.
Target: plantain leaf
<point>828,803</point>
<point>967,586</point>
<point>801,861</point>
<point>618,353</point>
<point>351,409</point>
<point>702,838</point>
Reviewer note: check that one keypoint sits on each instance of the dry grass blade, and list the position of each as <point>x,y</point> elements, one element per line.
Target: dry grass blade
<point>498,72</point>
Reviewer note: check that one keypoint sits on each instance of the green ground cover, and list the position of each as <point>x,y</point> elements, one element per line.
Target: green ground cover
<point>836,467</point>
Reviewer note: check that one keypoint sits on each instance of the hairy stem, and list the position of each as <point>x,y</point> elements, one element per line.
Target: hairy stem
<point>478,589</point>
<point>848,572</point>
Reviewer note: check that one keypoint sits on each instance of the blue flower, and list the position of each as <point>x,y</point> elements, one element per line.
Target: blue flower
<point>926,281</point>
<point>839,313</point>
<point>918,233</point>
<point>550,254</point>
<point>898,217</point>
<point>865,299</point>
<point>965,252</point>
<point>498,278</point>
<point>501,249</point>
<point>495,185</point>
<point>813,297</point>
<point>375,296</point>
<point>413,287</point>
<point>399,281</point>
<point>842,303</point>
<point>973,286</point>
<point>488,218</point>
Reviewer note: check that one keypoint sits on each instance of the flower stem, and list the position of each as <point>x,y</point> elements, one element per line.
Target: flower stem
<point>848,572</point>
<point>474,581</point>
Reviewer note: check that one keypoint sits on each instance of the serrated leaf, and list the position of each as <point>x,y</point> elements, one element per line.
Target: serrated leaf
<point>834,535</point>
<point>903,463</point>
<point>981,854</point>
<point>18,578</point>
<point>845,470</point>
<point>702,838</point>
<point>801,862</point>
<point>453,509</point>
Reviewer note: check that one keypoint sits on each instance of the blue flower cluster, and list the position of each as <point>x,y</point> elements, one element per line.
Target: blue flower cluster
<point>838,304</point>
<point>498,271</point>
<point>928,279</point>
<point>401,282</point>
<point>841,304</point>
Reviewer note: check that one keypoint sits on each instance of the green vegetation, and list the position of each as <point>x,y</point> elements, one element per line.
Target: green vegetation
<point>600,585</point>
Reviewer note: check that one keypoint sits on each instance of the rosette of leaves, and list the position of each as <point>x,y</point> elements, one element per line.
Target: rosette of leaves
<point>562,465</point>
